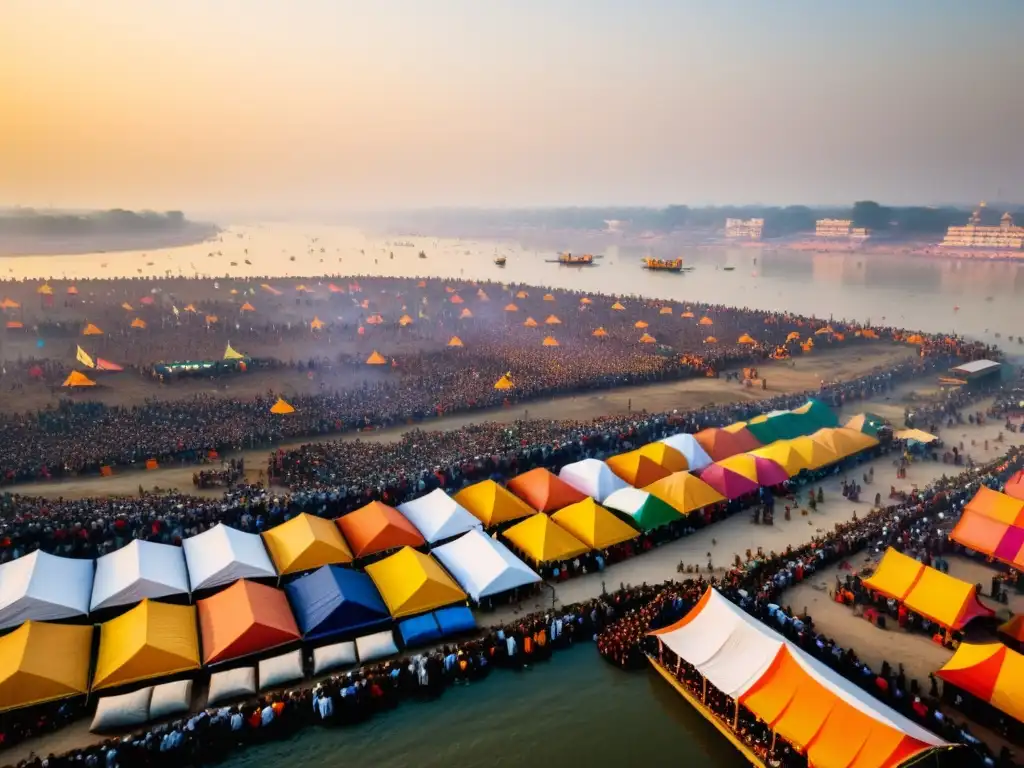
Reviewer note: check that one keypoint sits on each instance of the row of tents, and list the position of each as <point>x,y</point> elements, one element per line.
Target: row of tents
<point>992,523</point>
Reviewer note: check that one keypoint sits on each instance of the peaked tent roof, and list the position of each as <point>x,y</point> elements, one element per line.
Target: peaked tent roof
<point>998,506</point>
<point>844,442</point>
<point>593,478</point>
<point>836,722</point>
<point>728,482</point>
<point>815,454</point>
<point>44,587</point>
<point>684,492</point>
<point>243,619</point>
<point>895,575</point>
<point>333,600</point>
<point>990,537</point>
<point>411,582</point>
<point>223,554</point>
<point>688,445</point>
<point>151,640</point>
<point>282,408</point>
<point>666,456</point>
<point>646,509</point>
<point>484,566</point>
<point>1014,628</point>
<point>492,504</point>
<point>757,468</point>
<point>543,541</point>
<point>785,455</point>
<point>106,365</point>
<point>376,358</point>
<point>76,379</point>
<point>721,444</point>
<point>820,413</point>
<point>543,490</point>
<point>594,525</point>
<point>636,469</point>
<point>376,527</point>
<point>992,672</point>
<point>44,662</point>
<point>438,516</point>
<point>305,542</point>
<point>868,423</point>
<point>140,570</point>
<point>782,426</point>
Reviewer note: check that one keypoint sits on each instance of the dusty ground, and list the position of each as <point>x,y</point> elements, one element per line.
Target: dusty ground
<point>791,376</point>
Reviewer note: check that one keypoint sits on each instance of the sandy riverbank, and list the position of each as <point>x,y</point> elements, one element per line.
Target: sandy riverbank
<point>22,245</point>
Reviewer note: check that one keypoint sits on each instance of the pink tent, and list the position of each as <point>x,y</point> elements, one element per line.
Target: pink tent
<point>106,365</point>
<point>728,483</point>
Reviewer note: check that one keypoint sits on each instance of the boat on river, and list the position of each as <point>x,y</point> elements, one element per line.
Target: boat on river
<point>573,260</point>
<point>500,260</point>
<point>664,265</point>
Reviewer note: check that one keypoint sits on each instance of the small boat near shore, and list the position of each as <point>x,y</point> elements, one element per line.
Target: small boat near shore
<point>500,260</point>
<point>573,260</point>
<point>664,265</point>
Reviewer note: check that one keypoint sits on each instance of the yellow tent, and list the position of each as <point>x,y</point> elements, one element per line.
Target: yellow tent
<point>746,338</point>
<point>815,454</point>
<point>549,297</point>
<point>895,575</point>
<point>465,313</point>
<point>411,582</point>
<point>44,290</point>
<point>844,442</point>
<point>281,407</point>
<point>522,295</point>
<point>544,542</point>
<point>492,504</point>
<point>916,434</point>
<point>664,455</point>
<point>126,306</point>
<point>151,640</point>
<point>666,311</point>
<point>404,320</point>
<point>138,322</point>
<point>76,379</point>
<point>530,323</point>
<point>44,662</point>
<point>684,492</point>
<point>376,359</point>
<point>247,307</point>
<point>600,333</point>
<point>990,671</point>
<point>594,525</point>
<point>785,455</point>
<point>455,341</point>
<point>511,308</point>
<point>91,330</point>
<point>639,324</point>
<point>504,383</point>
<point>618,307</point>
<point>316,324</point>
<point>230,353</point>
<point>647,339</point>
<point>552,320</point>
<point>306,542</point>
<point>550,341</point>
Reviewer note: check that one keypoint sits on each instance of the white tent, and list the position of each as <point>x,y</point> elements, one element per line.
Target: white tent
<point>223,555</point>
<point>438,516</point>
<point>484,566</point>
<point>734,651</point>
<point>44,587</point>
<point>140,570</point>
<point>593,478</point>
<point>696,457</point>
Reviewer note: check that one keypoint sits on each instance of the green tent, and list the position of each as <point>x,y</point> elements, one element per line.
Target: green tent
<point>819,413</point>
<point>868,423</point>
<point>645,510</point>
<point>781,426</point>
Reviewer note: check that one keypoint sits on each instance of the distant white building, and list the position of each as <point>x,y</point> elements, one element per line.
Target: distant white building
<point>745,229</point>
<point>833,228</point>
<point>1007,236</point>
<point>613,225</point>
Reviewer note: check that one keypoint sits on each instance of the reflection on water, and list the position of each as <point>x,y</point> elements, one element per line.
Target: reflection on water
<point>902,290</point>
<point>574,710</point>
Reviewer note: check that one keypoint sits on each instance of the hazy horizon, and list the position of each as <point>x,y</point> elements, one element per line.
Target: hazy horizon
<point>313,107</point>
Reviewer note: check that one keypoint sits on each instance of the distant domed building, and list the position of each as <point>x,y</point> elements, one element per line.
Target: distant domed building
<point>1005,237</point>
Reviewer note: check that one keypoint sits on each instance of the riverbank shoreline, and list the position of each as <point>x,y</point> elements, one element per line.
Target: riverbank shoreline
<point>193,233</point>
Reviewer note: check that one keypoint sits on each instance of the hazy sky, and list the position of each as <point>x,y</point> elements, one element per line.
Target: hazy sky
<point>217,105</point>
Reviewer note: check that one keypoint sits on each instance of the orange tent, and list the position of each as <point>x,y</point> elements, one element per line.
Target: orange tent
<point>243,619</point>
<point>637,469</point>
<point>1014,628</point>
<point>247,307</point>
<point>316,324</point>
<point>600,333</point>
<point>455,341</point>
<point>504,383</point>
<point>530,323</point>
<point>687,314</point>
<point>585,300</point>
<point>9,304</point>
<point>706,321</point>
<point>665,311</point>
<point>998,506</point>
<point>684,492</point>
<point>404,320</point>
<point>639,324</point>
<point>91,330</point>
<point>376,527</point>
<point>465,313</point>
<point>456,299</point>
<point>522,295</point>
<point>549,297</point>
<point>721,444</point>
<point>552,320</point>
<point>710,340</point>
<point>746,339</point>
<point>618,307</point>
<point>511,308</point>
<point>375,319</point>
<point>138,322</point>
<point>376,359</point>
<point>188,308</point>
<point>992,672</point>
<point>550,341</point>
<point>543,490</point>
<point>990,537</point>
<point>647,339</point>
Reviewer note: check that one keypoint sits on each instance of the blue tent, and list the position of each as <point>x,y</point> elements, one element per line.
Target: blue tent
<point>454,620</point>
<point>419,630</point>
<point>333,601</point>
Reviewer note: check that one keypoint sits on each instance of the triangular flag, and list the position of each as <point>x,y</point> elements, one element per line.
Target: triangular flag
<point>83,357</point>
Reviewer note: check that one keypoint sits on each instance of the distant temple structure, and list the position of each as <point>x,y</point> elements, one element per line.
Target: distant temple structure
<point>1007,236</point>
<point>745,229</point>
<point>840,229</point>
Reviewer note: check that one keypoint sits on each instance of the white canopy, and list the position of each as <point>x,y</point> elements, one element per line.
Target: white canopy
<point>438,516</point>
<point>140,570</point>
<point>484,566</point>
<point>626,500</point>
<point>593,478</point>
<point>733,651</point>
<point>687,445</point>
<point>223,555</point>
<point>44,587</point>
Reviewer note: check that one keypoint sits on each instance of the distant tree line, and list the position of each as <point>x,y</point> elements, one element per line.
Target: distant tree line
<point>28,222</point>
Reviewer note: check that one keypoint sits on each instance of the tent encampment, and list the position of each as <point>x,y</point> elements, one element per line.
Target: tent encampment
<point>334,601</point>
<point>376,527</point>
<point>243,619</point>
<point>305,542</point>
<point>43,587</point>
<point>221,555</point>
<point>482,566</point>
<point>438,516</point>
<point>136,571</point>
<point>411,582</point>
<point>492,504</point>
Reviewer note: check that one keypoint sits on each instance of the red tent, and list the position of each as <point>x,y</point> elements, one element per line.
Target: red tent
<point>106,365</point>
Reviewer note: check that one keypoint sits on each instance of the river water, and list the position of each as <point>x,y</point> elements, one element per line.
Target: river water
<point>575,709</point>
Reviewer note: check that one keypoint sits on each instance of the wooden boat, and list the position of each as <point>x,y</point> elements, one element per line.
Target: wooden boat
<point>572,260</point>
<point>728,269</point>
<point>500,261</point>
<point>664,265</point>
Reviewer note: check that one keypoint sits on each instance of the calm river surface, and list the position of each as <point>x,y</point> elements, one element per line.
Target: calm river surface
<point>575,710</point>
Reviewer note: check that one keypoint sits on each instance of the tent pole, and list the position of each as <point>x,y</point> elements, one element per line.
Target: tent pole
<point>704,690</point>
<point>736,716</point>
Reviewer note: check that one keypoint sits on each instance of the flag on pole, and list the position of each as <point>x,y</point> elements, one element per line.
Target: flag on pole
<point>83,357</point>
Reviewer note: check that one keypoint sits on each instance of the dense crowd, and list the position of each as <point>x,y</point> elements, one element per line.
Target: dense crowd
<point>758,586</point>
